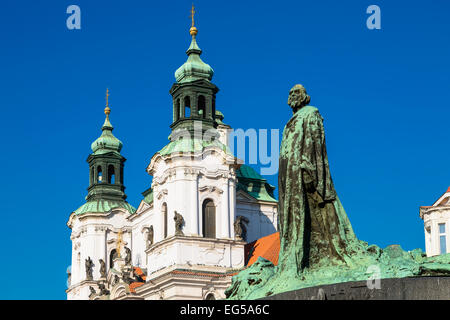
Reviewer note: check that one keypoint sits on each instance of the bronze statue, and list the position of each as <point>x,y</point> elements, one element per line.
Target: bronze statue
<point>150,234</point>
<point>88,266</point>
<point>317,242</point>
<point>179,222</point>
<point>240,230</point>
<point>102,268</point>
<point>312,222</point>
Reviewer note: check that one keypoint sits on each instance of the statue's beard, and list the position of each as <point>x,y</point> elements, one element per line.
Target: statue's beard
<point>294,103</point>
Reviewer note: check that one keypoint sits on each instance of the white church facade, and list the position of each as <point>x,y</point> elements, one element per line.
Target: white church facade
<point>186,238</point>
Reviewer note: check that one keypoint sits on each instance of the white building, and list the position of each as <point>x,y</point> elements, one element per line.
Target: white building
<point>436,220</point>
<point>119,252</point>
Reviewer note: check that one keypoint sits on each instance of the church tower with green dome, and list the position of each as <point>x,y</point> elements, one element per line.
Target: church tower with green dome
<point>106,166</point>
<point>99,223</point>
<point>193,93</point>
<point>186,239</point>
<point>106,188</point>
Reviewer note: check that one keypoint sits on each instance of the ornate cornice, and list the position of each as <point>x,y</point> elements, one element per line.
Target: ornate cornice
<point>428,210</point>
<point>210,189</point>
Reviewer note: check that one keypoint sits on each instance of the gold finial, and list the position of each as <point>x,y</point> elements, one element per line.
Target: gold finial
<point>193,31</point>
<point>119,243</point>
<point>107,109</point>
<point>192,14</point>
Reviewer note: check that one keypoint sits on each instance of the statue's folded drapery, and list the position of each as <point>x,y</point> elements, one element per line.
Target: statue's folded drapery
<point>314,229</point>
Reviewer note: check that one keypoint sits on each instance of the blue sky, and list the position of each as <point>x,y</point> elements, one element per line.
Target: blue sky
<point>384,95</point>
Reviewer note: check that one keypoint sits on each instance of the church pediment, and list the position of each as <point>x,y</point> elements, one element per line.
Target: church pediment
<point>143,206</point>
<point>243,196</point>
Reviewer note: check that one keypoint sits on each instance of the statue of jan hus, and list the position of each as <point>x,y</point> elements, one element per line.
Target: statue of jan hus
<point>314,228</point>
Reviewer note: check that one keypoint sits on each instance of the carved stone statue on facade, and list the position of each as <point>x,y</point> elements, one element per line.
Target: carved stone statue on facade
<point>116,280</point>
<point>240,229</point>
<point>92,290</point>
<point>179,222</point>
<point>102,268</point>
<point>150,234</point>
<point>126,277</point>
<point>89,265</point>
<point>127,256</point>
<point>103,290</point>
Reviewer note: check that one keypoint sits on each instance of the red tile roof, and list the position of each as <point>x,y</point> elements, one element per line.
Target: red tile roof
<point>135,285</point>
<point>138,271</point>
<point>267,247</point>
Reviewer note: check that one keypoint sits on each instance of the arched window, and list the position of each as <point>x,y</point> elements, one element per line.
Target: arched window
<point>187,107</point>
<point>210,296</point>
<point>99,174</point>
<point>201,106</point>
<point>164,212</point>
<point>177,110</point>
<point>209,219</point>
<point>111,175</point>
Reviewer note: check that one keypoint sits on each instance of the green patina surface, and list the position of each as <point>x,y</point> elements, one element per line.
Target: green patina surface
<point>107,142</point>
<point>192,145</point>
<point>254,184</point>
<point>194,68</point>
<point>103,206</point>
<point>317,242</point>
<point>106,189</point>
<point>148,196</point>
<point>263,278</point>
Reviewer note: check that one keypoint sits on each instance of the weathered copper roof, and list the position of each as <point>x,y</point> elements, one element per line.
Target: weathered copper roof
<point>254,184</point>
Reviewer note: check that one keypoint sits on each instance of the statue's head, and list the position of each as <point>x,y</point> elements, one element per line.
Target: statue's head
<point>298,97</point>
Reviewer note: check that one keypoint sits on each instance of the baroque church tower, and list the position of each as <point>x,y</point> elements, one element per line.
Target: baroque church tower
<point>186,239</point>
<point>95,225</point>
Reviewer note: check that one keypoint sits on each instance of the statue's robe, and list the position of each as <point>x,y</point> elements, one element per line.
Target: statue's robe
<point>314,228</point>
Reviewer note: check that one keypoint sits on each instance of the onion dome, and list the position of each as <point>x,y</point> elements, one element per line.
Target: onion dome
<point>194,68</point>
<point>107,142</point>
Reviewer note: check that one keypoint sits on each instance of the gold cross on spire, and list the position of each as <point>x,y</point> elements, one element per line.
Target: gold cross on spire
<point>119,243</point>
<point>107,95</point>
<point>192,14</point>
<point>107,109</point>
<point>193,30</point>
